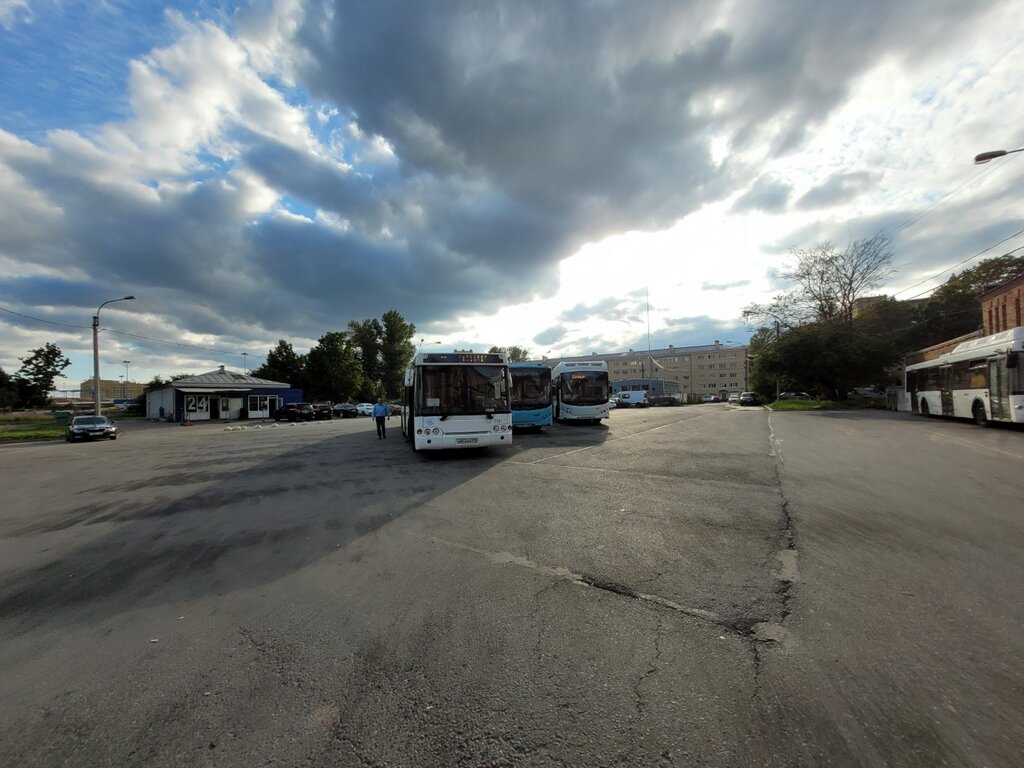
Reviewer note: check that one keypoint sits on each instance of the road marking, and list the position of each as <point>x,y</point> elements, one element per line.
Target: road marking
<point>631,473</point>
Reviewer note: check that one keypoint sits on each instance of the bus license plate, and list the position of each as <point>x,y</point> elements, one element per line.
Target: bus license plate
<point>466,440</point>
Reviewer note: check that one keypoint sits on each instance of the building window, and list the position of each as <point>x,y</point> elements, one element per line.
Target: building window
<point>1004,315</point>
<point>1017,308</point>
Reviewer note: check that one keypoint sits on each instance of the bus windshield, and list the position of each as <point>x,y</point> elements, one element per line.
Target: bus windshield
<point>450,390</point>
<point>531,387</point>
<point>585,387</point>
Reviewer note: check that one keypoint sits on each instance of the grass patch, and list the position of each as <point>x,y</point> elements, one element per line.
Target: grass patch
<point>30,430</point>
<point>853,404</point>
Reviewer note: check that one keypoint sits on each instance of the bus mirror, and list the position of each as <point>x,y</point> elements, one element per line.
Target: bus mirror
<point>1011,359</point>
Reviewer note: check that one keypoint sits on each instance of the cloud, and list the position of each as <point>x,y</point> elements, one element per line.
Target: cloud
<point>706,286</point>
<point>550,336</point>
<point>278,171</point>
<point>838,189</point>
<point>766,194</point>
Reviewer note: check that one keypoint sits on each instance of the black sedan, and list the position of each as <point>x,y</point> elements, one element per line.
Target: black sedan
<point>90,428</point>
<point>345,411</point>
<point>323,411</point>
<point>749,398</point>
<point>295,412</point>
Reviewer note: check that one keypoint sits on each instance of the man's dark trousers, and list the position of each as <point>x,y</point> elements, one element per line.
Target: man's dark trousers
<point>380,427</point>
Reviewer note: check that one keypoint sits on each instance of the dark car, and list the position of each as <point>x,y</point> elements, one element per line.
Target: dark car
<point>394,409</point>
<point>323,411</point>
<point>90,428</point>
<point>345,411</point>
<point>749,398</point>
<point>295,412</point>
<point>794,396</point>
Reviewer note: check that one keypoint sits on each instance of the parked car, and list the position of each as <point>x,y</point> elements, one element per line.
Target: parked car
<point>295,412</point>
<point>394,409</point>
<point>365,409</point>
<point>323,411</point>
<point>90,428</point>
<point>345,410</point>
<point>708,399</point>
<point>633,399</point>
<point>749,398</point>
<point>734,398</point>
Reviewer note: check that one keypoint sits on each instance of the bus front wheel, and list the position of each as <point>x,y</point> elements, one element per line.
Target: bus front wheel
<point>979,414</point>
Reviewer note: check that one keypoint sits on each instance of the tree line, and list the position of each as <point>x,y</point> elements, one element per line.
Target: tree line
<point>364,362</point>
<point>814,338</point>
<point>30,385</point>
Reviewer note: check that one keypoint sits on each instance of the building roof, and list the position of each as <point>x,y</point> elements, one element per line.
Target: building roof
<point>223,379</point>
<point>1006,285</point>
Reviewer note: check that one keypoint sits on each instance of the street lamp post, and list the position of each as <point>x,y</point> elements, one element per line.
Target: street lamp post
<point>96,352</point>
<point>984,157</point>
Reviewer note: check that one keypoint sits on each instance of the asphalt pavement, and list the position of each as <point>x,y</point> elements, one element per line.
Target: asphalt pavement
<point>707,585</point>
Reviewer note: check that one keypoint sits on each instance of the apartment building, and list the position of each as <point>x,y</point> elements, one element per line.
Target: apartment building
<point>701,370</point>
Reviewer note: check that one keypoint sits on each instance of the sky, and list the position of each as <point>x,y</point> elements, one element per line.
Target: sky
<point>567,177</point>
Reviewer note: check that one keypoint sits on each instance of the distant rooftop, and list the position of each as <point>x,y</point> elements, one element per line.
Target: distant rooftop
<point>633,353</point>
<point>222,377</point>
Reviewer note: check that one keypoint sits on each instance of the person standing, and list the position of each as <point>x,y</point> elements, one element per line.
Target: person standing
<point>380,413</point>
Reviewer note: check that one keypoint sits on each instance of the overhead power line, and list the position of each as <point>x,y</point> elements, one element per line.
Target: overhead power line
<point>960,263</point>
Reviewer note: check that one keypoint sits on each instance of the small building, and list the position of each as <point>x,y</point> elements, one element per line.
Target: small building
<point>219,395</point>
<point>656,387</point>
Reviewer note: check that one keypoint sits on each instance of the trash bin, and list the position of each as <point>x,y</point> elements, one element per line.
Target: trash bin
<point>63,418</point>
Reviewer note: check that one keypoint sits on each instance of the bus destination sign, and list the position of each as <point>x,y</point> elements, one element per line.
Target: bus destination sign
<point>463,357</point>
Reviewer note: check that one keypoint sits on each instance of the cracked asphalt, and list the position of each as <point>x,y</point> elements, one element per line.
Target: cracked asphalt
<point>708,585</point>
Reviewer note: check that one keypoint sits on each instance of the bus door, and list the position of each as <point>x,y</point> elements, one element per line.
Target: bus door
<point>998,389</point>
<point>946,384</point>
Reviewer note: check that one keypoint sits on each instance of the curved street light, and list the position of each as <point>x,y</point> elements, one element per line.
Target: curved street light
<point>984,157</point>
<point>96,351</point>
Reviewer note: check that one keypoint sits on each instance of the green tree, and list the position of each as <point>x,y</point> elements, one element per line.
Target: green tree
<point>8,391</point>
<point>397,351</point>
<point>954,308</point>
<point>38,371</point>
<point>368,336</point>
<point>333,368</point>
<point>515,354</point>
<point>284,364</point>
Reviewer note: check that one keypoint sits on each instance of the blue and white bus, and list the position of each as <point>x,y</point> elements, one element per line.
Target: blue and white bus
<point>531,395</point>
<point>580,391</point>
<point>457,400</point>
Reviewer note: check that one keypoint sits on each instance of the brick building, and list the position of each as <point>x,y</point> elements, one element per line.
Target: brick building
<point>1001,306</point>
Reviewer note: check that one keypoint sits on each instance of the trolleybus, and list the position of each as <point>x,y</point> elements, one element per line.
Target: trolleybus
<point>580,391</point>
<point>981,379</point>
<point>457,400</point>
<point>531,394</point>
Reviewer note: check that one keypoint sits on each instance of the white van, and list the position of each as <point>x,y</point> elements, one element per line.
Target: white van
<point>632,398</point>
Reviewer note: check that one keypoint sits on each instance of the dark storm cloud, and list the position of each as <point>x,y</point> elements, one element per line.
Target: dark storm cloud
<point>838,189</point>
<point>767,194</point>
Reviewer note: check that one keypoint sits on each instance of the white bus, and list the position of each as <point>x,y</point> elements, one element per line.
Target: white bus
<point>981,379</point>
<point>580,391</point>
<point>457,400</point>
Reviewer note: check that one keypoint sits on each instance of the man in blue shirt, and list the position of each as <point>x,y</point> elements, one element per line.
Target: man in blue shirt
<point>381,412</point>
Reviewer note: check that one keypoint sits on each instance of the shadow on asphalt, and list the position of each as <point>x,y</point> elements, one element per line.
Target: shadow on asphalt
<point>250,522</point>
